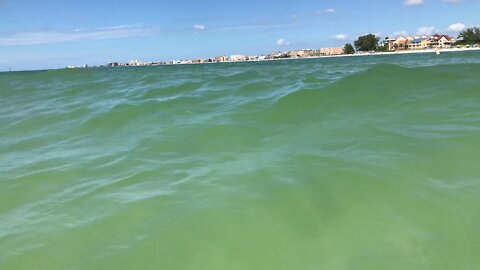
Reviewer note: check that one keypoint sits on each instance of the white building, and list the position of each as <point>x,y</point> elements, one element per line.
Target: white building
<point>237,58</point>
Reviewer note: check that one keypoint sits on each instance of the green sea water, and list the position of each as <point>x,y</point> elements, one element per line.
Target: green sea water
<point>341,163</point>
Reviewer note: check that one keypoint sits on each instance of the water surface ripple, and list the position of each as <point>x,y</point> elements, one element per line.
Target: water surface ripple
<point>341,163</point>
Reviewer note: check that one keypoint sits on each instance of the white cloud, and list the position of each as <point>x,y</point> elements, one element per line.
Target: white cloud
<point>456,27</point>
<point>252,26</point>
<point>328,10</point>
<point>117,27</point>
<point>339,37</point>
<point>400,33</point>
<point>282,42</point>
<point>101,33</point>
<point>425,30</point>
<point>413,2</point>
<point>199,27</point>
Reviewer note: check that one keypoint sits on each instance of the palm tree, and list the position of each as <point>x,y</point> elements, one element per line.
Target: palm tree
<point>470,35</point>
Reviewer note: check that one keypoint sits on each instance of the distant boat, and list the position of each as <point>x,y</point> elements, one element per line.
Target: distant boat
<point>437,51</point>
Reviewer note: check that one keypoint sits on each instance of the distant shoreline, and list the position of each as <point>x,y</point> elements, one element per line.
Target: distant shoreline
<point>445,50</point>
<point>351,55</point>
<point>409,52</point>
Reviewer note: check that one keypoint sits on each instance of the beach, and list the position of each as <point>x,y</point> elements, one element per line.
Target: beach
<point>444,50</point>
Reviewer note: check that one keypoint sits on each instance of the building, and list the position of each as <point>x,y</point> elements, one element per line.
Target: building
<point>198,61</point>
<point>277,55</point>
<point>441,41</point>
<point>221,58</point>
<point>401,43</point>
<point>138,63</point>
<point>296,54</point>
<point>419,43</point>
<point>313,53</point>
<point>389,43</point>
<point>331,51</point>
<point>310,52</point>
<point>238,58</point>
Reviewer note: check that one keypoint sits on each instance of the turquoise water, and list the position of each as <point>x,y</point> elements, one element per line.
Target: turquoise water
<point>341,163</point>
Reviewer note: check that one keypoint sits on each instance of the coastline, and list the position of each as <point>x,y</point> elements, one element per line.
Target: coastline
<point>446,50</point>
<point>357,55</point>
<point>410,52</point>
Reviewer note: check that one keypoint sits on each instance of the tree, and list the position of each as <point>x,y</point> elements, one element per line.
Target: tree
<point>348,49</point>
<point>367,43</point>
<point>382,49</point>
<point>470,35</point>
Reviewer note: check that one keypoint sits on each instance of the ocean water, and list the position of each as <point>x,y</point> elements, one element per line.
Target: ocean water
<point>340,163</point>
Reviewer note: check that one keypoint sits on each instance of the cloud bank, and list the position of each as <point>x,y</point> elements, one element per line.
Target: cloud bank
<point>340,37</point>
<point>101,33</point>
<point>413,2</point>
<point>282,42</point>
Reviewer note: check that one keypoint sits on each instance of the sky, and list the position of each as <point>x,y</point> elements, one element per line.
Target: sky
<point>44,34</point>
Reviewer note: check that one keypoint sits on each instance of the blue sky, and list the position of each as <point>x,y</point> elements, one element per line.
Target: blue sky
<point>39,34</point>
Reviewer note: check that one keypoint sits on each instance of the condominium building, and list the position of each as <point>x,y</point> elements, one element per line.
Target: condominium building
<point>441,41</point>
<point>237,58</point>
<point>418,44</point>
<point>221,58</point>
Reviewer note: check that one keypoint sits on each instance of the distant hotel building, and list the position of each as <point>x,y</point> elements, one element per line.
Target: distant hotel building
<point>221,58</point>
<point>311,53</point>
<point>198,61</point>
<point>441,41</point>
<point>331,51</point>
<point>419,42</point>
<point>238,58</point>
